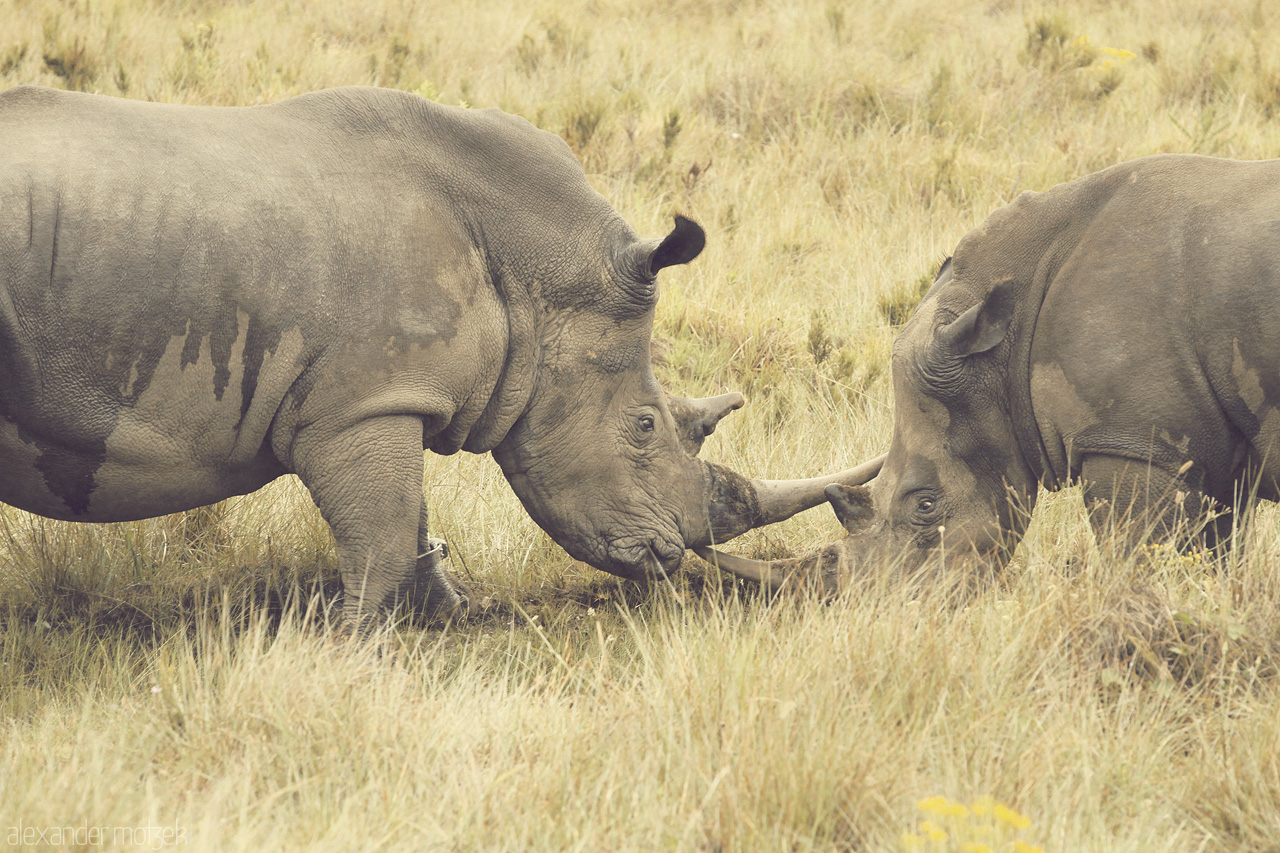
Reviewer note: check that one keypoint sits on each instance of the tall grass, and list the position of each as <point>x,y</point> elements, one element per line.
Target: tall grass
<point>178,673</point>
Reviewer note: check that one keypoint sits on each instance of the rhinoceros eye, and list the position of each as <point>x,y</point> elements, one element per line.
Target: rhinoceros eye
<point>646,423</point>
<point>925,506</point>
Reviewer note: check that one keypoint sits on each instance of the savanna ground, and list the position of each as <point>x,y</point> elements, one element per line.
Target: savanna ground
<point>176,673</point>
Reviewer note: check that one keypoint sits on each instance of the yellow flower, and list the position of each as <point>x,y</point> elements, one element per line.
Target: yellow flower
<point>933,805</point>
<point>1119,53</point>
<point>1004,814</point>
<point>1024,847</point>
<point>911,841</point>
<point>942,807</point>
<point>983,805</point>
<point>936,834</point>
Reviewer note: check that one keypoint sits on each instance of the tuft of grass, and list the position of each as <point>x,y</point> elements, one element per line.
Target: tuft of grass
<point>897,306</point>
<point>72,60</point>
<point>1145,640</point>
<point>1053,45</point>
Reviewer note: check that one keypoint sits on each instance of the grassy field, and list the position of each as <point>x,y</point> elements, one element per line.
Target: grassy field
<point>171,682</point>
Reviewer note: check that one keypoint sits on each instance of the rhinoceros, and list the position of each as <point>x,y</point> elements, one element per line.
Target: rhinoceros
<point>1121,331</point>
<point>195,301</point>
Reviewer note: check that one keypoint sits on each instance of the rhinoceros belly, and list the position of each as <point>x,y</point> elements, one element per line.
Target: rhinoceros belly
<point>77,454</point>
<point>74,485</point>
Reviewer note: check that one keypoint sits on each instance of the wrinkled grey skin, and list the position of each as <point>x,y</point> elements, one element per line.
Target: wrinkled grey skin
<point>1121,330</point>
<point>195,301</point>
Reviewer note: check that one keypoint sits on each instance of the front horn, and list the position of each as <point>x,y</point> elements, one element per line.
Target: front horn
<point>739,504</point>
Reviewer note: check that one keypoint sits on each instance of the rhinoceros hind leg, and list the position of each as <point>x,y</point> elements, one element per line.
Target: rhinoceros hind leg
<point>367,482</point>
<point>1132,503</point>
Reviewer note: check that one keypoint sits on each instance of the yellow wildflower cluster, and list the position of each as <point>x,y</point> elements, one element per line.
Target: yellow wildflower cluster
<point>1113,57</point>
<point>984,826</point>
<point>1083,54</point>
<point>1103,65</point>
<point>1166,554</point>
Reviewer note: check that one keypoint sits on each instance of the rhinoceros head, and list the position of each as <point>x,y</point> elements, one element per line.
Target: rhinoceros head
<point>605,461</point>
<point>953,487</point>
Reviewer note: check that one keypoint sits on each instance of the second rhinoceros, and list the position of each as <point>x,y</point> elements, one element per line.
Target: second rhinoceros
<point>195,301</point>
<point>1121,331</point>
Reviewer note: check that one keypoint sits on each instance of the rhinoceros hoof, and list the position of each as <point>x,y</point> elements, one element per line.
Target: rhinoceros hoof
<point>436,592</point>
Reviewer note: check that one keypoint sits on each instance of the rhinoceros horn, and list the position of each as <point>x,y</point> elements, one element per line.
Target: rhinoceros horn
<point>697,418</point>
<point>756,571</point>
<point>739,504</point>
<point>852,505</point>
<point>780,499</point>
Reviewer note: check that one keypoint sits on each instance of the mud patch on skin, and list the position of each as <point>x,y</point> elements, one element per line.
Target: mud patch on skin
<point>70,474</point>
<point>1059,413</point>
<point>70,413</point>
<point>1057,400</point>
<point>1248,384</point>
<point>259,338</point>
<point>826,572</point>
<point>733,499</point>
<point>1262,411</point>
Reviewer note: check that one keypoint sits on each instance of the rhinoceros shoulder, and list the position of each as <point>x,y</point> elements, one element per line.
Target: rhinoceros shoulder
<point>490,133</point>
<point>34,95</point>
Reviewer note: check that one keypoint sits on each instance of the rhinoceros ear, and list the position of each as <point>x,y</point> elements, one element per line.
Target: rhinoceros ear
<point>981,327</point>
<point>682,245</point>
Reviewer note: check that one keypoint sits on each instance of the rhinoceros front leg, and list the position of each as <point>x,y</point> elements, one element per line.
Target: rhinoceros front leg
<point>1136,502</point>
<point>367,482</point>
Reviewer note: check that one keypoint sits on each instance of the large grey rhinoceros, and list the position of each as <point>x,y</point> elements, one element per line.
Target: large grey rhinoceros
<point>1121,330</point>
<point>195,301</point>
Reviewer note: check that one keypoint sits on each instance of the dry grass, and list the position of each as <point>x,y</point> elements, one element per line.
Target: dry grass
<point>176,673</point>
